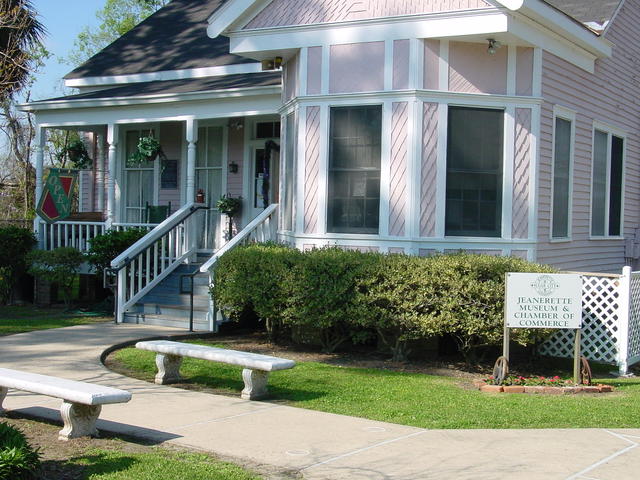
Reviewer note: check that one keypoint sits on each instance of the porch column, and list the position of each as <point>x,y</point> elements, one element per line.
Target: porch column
<point>100,161</point>
<point>38,148</point>
<point>112,140</point>
<point>192,139</point>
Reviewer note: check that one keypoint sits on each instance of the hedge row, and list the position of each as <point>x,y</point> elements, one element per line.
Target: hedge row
<point>335,295</point>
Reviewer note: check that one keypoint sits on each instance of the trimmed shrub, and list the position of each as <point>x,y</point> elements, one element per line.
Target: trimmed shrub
<point>109,245</point>
<point>470,301</point>
<point>255,277</point>
<point>59,266</point>
<point>15,244</point>
<point>336,295</point>
<point>325,293</point>
<point>18,460</point>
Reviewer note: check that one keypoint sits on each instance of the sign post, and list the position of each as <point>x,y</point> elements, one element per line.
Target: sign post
<point>544,300</point>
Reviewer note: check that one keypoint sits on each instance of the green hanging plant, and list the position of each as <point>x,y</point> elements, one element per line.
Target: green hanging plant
<point>148,150</point>
<point>78,155</point>
<point>229,205</point>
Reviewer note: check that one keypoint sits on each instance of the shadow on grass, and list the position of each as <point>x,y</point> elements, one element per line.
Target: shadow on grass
<point>84,466</point>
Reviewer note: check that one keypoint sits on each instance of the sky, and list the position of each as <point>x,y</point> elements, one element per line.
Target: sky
<point>63,20</point>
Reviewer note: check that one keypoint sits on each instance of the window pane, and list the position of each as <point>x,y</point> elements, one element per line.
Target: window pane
<point>214,146</point>
<point>599,183</point>
<point>354,170</point>
<point>615,186</point>
<point>474,172</point>
<point>561,179</point>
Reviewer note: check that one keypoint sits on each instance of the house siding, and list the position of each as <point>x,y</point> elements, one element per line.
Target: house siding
<point>290,89</point>
<point>304,12</point>
<point>521,174</point>
<point>314,70</point>
<point>356,67</point>
<point>472,70</point>
<point>312,170</point>
<point>171,138</point>
<point>609,95</point>
<point>400,64</point>
<point>398,166</point>
<point>235,153</point>
<point>431,64</point>
<point>429,170</point>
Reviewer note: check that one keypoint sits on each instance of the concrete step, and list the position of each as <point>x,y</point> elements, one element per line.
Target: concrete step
<point>199,324</point>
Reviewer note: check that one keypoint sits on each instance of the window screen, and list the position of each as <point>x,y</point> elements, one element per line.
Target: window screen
<point>474,172</point>
<point>561,178</point>
<point>354,170</point>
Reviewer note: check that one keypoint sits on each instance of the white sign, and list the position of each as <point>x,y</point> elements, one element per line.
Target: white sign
<point>543,300</point>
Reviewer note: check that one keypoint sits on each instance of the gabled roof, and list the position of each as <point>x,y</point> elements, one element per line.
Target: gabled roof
<point>587,11</point>
<point>173,38</point>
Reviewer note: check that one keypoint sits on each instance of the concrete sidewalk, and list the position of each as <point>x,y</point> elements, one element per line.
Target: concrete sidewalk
<point>320,445</point>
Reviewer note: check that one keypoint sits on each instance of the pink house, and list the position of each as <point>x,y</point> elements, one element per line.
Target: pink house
<point>507,127</point>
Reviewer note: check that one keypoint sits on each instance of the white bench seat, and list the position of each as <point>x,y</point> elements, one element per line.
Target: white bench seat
<point>256,366</point>
<point>81,401</point>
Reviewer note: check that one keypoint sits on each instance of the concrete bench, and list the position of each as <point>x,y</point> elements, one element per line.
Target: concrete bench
<point>256,366</point>
<point>81,401</point>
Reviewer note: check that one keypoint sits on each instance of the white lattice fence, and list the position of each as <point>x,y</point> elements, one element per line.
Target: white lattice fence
<point>601,314</point>
<point>633,354</point>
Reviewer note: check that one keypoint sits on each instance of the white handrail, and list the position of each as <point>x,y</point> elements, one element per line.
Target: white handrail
<point>158,232</point>
<point>240,237</point>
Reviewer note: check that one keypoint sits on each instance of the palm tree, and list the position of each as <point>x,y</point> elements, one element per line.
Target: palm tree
<point>20,32</point>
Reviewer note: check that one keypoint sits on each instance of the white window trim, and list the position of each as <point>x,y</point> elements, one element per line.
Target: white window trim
<point>569,115</point>
<point>610,130</point>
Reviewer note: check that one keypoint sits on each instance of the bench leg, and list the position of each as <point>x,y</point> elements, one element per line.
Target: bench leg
<point>168,368</point>
<point>255,384</point>
<point>79,420</point>
<point>3,394</point>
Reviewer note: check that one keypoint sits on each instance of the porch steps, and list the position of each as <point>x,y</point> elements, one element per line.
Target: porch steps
<point>166,306</point>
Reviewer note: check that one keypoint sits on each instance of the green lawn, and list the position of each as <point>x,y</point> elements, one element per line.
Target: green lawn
<point>28,318</point>
<point>160,465</point>
<point>414,399</point>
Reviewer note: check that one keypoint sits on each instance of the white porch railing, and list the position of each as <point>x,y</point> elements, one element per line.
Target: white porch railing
<point>263,228</point>
<point>148,261</point>
<point>76,234</point>
<point>610,321</point>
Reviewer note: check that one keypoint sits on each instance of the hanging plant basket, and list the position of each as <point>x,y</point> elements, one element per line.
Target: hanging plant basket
<point>148,150</point>
<point>78,155</point>
<point>230,206</point>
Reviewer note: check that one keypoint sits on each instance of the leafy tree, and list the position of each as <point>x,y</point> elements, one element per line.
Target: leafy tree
<point>117,17</point>
<point>20,33</point>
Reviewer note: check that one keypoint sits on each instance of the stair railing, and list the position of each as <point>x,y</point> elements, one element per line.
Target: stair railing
<point>263,228</point>
<point>152,258</point>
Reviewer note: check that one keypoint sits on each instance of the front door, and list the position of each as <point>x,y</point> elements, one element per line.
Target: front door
<point>265,172</point>
<point>209,176</point>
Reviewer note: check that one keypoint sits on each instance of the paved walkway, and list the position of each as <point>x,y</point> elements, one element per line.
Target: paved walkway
<point>320,445</point>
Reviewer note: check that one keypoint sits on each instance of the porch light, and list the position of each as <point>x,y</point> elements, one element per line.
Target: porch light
<point>233,167</point>
<point>494,45</point>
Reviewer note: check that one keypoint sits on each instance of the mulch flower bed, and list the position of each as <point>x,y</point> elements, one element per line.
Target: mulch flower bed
<point>544,385</point>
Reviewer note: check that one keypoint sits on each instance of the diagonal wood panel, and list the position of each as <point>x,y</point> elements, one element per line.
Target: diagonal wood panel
<point>398,169</point>
<point>312,170</point>
<point>429,170</point>
<point>521,175</point>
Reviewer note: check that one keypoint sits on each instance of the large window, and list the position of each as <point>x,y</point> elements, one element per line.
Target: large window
<point>606,184</point>
<point>354,169</point>
<point>474,172</point>
<point>561,178</point>
<point>139,179</point>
